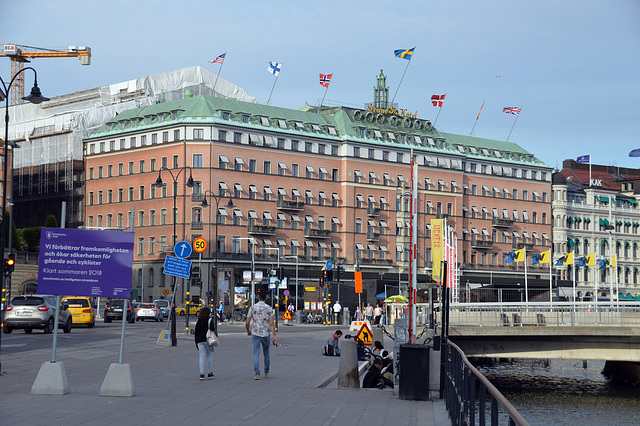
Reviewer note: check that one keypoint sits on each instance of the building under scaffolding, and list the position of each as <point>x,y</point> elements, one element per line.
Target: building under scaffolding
<point>48,165</point>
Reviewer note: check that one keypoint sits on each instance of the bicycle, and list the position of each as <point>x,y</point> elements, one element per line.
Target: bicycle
<point>240,316</point>
<point>225,318</point>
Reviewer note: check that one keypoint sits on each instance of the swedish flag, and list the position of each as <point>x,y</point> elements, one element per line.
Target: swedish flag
<point>404,53</point>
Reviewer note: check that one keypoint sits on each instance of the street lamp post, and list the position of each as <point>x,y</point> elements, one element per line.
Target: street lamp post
<point>296,257</point>
<point>278,285</point>
<point>213,297</point>
<point>143,242</point>
<point>159,184</point>
<point>35,97</point>
<point>253,267</point>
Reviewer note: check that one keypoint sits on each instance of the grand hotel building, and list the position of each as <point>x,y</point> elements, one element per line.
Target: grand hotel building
<point>310,184</point>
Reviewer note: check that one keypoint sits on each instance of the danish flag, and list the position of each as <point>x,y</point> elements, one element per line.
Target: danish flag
<point>437,100</point>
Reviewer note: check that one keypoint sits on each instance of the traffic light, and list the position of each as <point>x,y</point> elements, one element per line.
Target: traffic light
<point>339,270</point>
<point>329,275</point>
<point>9,264</point>
<point>322,281</point>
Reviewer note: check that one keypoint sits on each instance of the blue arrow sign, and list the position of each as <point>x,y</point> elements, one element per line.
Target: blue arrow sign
<point>182,249</point>
<point>177,267</point>
<point>329,265</point>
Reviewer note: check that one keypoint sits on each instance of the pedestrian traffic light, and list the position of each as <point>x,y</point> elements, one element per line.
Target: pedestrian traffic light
<point>10,263</point>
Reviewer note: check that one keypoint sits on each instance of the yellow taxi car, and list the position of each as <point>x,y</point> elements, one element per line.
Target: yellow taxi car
<point>182,310</point>
<point>83,312</point>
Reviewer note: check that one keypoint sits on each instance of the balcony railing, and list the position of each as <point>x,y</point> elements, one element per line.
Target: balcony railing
<point>290,205</point>
<point>501,223</point>
<point>261,229</point>
<point>373,236</point>
<point>197,198</point>
<point>482,244</point>
<point>518,246</point>
<point>197,225</point>
<point>317,233</point>
<point>373,211</point>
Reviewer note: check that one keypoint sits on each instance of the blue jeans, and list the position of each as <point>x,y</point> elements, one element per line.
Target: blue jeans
<point>264,341</point>
<point>206,354</point>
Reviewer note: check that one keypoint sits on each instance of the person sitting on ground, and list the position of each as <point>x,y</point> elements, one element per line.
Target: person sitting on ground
<point>374,377</point>
<point>387,365</point>
<point>377,348</point>
<point>333,344</point>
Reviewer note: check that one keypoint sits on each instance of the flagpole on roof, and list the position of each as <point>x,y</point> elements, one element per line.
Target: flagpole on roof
<point>217,75</point>
<point>438,115</point>
<point>514,125</point>
<point>274,85</point>
<point>550,278</point>
<point>398,88</point>
<point>476,122</point>
<point>526,286</point>
<point>323,96</point>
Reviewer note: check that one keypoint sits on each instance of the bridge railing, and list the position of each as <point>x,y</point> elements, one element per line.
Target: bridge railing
<point>558,314</point>
<point>466,407</point>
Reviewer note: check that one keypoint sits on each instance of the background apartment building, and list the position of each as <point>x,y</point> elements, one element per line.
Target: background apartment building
<point>595,209</point>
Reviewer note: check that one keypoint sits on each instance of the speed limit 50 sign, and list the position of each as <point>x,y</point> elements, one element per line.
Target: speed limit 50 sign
<point>200,245</point>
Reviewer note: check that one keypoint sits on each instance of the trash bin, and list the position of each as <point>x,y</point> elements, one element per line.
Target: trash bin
<point>414,372</point>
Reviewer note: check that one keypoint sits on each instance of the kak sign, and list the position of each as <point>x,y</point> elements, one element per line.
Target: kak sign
<point>81,262</point>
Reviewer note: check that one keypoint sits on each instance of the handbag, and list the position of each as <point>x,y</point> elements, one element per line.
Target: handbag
<point>212,339</point>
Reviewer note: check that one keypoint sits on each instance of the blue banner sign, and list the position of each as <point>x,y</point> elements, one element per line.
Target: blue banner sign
<point>81,262</point>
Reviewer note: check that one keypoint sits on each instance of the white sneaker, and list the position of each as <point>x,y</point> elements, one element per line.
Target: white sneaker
<point>257,377</point>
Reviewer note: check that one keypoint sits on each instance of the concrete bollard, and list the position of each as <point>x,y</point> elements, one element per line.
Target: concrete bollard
<point>378,335</point>
<point>348,375</point>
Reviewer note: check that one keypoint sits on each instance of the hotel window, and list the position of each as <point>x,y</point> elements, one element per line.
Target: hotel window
<point>321,148</point>
<point>308,146</point>
<point>245,118</point>
<point>110,196</point>
<point>280,143</point>
<point>100,221</point>
<point>252,192</point>
<point>197,160</point>
<point>163,217</point>
<point>525,194</point>
<point>175,162</point>
<point>237,137</point>
<point>199,133</point>
<point>309,172</point>
<point>356,176</point>
<point>154,139</point>
<point>120,169</point>
<point>131,193</point>
<point>294,170</point>
<point>90,172</point>
<point>176,135</point>
<point>334,149</point>
<point>294,145</point>
<point>282,167</point>
<point>515,194</point>
<point>237,164</point>
<point>141,166</point>
<point>120,195</point>
<point>266,193</point>
<point>372,153</point>
<point>152,165</point>
<point>334,199</point>
<point>102,146</point>
<point>266,167</point>
<point>335,175</point>
<point>112,145</point>
<point>362,132</point>
<point>544,197</point>
<point>399,157</point>
<point>165,136</point>
<point>358,228</point>
<point>322,173</point>
<point>359,201</point>
<point>91,198</point>
<point>130,167</point>
<point>372,178</point>
<point>225,115</point>
<point>385,155</point>
<point>222,135</point>
<point>141,192</point>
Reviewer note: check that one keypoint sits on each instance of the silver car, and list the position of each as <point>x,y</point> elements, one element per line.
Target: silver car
<point>36,311</point>
<point>149,311</point>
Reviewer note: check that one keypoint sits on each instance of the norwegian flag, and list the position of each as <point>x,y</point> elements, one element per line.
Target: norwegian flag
<point>325,79</point>
<point>512,110</point>
<point>437,100</point>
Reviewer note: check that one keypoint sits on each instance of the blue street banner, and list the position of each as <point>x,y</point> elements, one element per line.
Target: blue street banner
<point>81,262</point>
<point>177,267</point>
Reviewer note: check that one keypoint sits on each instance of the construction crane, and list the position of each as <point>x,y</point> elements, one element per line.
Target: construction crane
<point>19,54</point>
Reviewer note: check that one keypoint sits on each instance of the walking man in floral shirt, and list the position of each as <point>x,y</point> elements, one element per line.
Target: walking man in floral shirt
<point>258,329</point>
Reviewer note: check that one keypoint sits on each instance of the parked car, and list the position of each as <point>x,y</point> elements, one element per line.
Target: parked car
<point>83,311</point>
<point>164,305</point>
<point>113,310</point>
<point>149,311</point>
<point>36,311</point>
<point>182,310</point>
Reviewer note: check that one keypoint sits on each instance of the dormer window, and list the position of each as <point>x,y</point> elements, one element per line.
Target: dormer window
<point>148,119</point>
<point>265,121</point>
<point>377,134</point>
<point>485,152</point>
<point>282,124</point>
<point>332,131</point>
<point>174,115</point>
<point>473,150</point>
<point>225,115</point>
<point>245,118</point>
<point>315,128</point>
<point>460,148</point>
<point>497,154</point>
<point>299,125</point>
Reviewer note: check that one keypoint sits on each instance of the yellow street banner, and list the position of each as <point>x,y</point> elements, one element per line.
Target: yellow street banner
<point>437,248</point>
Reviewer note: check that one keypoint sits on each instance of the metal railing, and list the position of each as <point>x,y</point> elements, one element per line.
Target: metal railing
<point>470,397</point>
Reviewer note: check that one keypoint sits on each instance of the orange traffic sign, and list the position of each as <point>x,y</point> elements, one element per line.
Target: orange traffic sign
<point>358,280</point>
<point>200,244</point>
<point>365,335</point>
<point>287,315</point>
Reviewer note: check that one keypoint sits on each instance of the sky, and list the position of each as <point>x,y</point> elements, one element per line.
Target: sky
<point>573,66</point>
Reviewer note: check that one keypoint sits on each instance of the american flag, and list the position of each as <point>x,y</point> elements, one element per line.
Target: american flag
<point>325,79</point>
<point>438,100</point>
<point>219,59</point>
<point>512,110</point>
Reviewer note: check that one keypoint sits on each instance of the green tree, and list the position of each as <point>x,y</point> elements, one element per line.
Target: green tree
<point>51,222</point>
